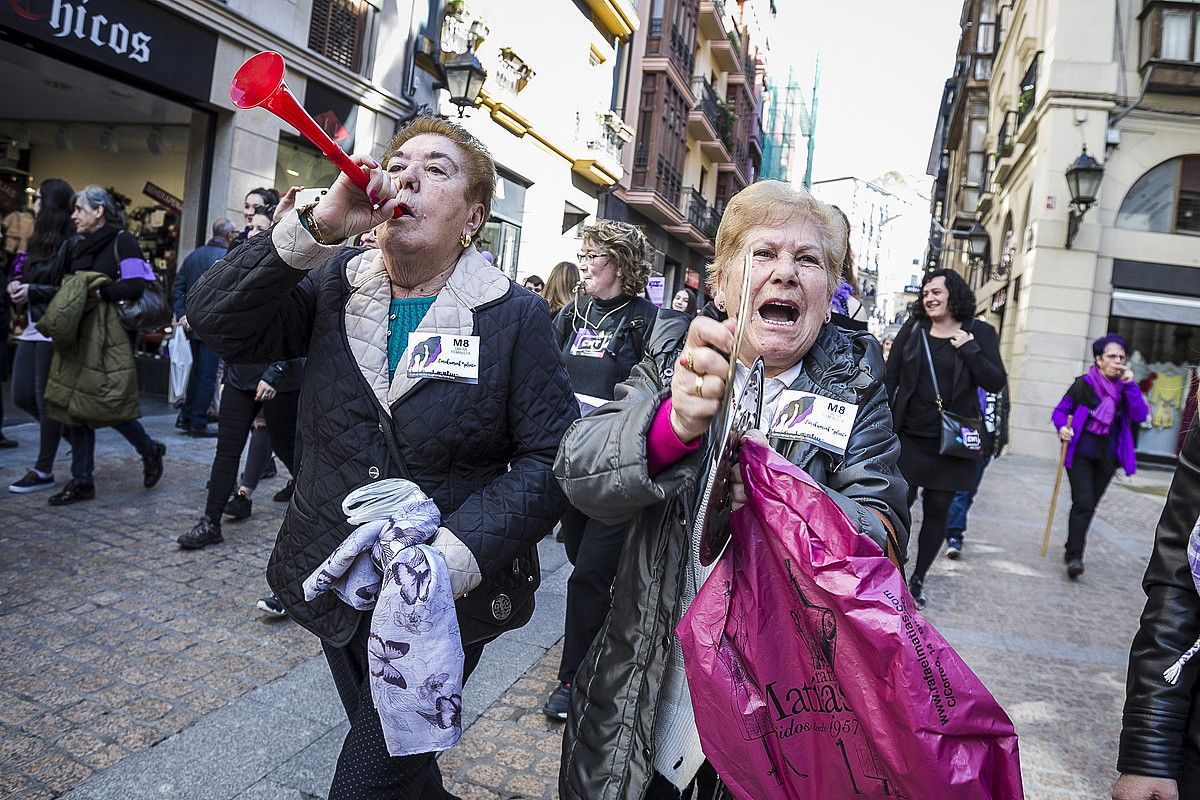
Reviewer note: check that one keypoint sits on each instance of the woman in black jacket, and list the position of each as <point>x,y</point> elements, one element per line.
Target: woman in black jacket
<point>1159,756</point>
<point>105,247</point>
<point>35,281</point>
<point>966,356</point>
<point>480,446</point>
<point>602,334</point>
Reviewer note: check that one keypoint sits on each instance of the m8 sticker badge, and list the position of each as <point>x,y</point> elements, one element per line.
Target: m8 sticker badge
<point>808,417</point>
<point>589,343</point>
<point>443,357</point>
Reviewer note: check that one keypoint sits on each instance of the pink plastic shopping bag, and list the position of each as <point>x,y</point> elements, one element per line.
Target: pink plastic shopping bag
<point>813,676</point>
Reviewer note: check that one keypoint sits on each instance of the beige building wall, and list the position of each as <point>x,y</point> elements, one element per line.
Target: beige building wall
<point>1064,296</point>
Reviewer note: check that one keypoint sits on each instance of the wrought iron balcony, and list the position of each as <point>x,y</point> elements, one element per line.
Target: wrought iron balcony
<point>707,100</point>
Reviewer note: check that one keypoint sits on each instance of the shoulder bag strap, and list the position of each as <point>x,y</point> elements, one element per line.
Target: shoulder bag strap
<point>932,372</point>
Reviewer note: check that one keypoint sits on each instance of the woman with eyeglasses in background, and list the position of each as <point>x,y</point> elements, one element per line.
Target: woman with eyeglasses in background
<point>602,335</point>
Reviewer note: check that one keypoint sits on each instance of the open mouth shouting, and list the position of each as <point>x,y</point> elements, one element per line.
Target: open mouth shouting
<point>779,313</point>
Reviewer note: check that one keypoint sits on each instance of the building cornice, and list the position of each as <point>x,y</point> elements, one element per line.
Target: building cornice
<point>619,17</point>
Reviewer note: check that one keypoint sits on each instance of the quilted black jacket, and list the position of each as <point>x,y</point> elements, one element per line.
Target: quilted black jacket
<point>482,452</point>
<point>1160,732</point>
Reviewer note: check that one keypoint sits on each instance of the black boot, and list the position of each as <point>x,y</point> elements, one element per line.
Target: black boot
<point>205,533</point>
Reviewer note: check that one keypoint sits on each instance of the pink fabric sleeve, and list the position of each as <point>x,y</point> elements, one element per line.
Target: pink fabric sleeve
<point>663,446</point>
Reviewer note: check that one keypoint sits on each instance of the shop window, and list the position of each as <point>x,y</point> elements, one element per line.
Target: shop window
<point>1165,200</point>
<point>1164,360</point>
<point>337,29</point>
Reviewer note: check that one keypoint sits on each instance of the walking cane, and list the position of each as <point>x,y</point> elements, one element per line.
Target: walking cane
<point>1062,456</point>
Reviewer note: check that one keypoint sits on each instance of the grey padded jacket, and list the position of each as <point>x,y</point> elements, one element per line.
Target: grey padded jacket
<point>608,744</point>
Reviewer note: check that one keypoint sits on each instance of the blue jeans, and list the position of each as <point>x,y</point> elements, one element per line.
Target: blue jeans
<point>957,523</point>
<point>83,446</point>
<point>201,385</point>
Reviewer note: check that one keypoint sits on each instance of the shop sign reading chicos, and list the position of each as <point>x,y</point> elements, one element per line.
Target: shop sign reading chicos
<point>123,35</point>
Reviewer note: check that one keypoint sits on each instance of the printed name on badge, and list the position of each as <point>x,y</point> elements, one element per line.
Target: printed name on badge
<point>808,417</point>
<point>444,358</point>
<point>590,343</point>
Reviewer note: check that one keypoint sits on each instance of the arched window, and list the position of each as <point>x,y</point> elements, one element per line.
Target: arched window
<point>1166,199</point>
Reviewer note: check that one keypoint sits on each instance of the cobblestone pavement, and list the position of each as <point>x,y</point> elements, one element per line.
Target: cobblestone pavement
<point>112,640</point>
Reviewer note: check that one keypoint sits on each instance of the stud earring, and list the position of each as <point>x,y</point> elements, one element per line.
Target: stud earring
<point>465,241</point>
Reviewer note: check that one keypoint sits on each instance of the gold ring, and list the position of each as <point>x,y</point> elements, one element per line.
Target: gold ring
<point>699,386</point>
<point>691,362</point>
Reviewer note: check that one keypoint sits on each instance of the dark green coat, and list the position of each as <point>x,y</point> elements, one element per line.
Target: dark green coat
<point>92,377</point>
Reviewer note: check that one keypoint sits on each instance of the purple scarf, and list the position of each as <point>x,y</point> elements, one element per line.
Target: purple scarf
<point>1109,391</point>
<point>839,303</point>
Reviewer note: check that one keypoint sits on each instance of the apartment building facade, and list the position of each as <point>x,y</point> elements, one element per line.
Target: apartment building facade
<point>1039,87</point>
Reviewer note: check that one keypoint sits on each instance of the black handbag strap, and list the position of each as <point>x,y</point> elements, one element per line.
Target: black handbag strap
<point>932,372</point>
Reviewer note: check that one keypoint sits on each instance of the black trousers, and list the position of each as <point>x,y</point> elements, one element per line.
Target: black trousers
<point>595,550</point>
<point>238,410</point>
<point>935,511</point>
<point>31,370</point>
<point>1089,478</point>
<point>364,769</point>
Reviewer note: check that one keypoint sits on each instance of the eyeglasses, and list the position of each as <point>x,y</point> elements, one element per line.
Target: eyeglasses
<point>584,257</point>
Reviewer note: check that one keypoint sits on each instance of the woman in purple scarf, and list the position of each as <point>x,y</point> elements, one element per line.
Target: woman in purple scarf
<point>1096,418</point>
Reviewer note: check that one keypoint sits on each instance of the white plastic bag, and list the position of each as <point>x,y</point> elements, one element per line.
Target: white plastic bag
<point>181,366</point>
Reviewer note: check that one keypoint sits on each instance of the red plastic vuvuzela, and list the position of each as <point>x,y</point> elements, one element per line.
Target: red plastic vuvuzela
<point>259,84</point>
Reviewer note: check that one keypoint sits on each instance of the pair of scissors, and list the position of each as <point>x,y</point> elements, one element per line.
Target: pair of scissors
<point>739,412</point>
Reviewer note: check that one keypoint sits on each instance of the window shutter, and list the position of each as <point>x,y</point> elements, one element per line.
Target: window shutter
<point>336,31</point>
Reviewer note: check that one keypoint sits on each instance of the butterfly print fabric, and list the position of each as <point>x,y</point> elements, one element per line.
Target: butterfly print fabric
<point>414,651</point>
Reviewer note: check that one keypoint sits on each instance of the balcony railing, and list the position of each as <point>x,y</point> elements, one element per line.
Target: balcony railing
<point>605,133</point>
<point>706,100</point>
<point>682,51</point>
<point>695,209</point>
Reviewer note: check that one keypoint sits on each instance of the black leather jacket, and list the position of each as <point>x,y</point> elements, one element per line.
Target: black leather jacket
<point>608,748</point>
<point>44,278</point>
<point>1161,717</point>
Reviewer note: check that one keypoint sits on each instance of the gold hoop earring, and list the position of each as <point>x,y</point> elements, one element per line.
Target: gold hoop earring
<point>465,241</point>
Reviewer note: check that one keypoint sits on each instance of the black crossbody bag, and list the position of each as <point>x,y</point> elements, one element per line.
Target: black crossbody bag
<point>960,437</point>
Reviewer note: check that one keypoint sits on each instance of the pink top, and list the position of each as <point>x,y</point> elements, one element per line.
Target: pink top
<point>663,445</point>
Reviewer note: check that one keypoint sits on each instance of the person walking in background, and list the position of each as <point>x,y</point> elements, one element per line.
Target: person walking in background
<point>113,255</point>
<point>602,336</point>
<point>994,406</point>
<point>275,390</point>
<point>684,302</point>
<point>965,354</point>
<point>36,277</point>
<point>535,284</point>
<point>1095,418</point>
<point>1159,753</point>
<point>257,201</point>
<point>561,286</point>
<point>203,380</point>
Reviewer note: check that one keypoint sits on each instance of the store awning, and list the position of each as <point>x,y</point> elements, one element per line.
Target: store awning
<point>1156,307</point>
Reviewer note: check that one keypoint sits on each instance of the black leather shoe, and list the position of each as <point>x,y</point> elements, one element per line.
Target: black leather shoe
<point>152,465</point>
<point>238,506</point>
<point>73,493</point>
<point>205,533</point>
<point>284,495</point>
<point>1074,568</point>
<point>917,587</point>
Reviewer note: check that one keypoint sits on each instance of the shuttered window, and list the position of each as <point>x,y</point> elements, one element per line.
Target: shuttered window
<point>336,31</point>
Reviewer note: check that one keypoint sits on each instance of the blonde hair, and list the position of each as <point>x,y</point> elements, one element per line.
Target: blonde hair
<point>628,248</point>
<point>560,286</point>
<point>479,167</point>
<point>772,203</point>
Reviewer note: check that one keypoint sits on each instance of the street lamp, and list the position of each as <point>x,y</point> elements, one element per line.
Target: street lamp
<point>979,248</point>
<point>464,80</point>
<point>1083,179</point>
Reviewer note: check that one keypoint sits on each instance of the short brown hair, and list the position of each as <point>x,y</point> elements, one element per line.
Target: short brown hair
<point>627,246</point>
<point>480,167</point>
<point>772,202</point>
